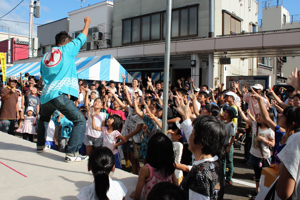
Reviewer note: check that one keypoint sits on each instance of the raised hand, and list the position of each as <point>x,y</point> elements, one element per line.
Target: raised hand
<point>87,20</point>
<point>123,76</point>
<point>295,79</point>
<point>255,95</point>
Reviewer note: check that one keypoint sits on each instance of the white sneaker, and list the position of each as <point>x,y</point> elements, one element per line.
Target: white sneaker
<point>76,158</point>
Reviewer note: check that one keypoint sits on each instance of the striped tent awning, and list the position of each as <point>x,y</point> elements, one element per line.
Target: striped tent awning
<point>104,68</point>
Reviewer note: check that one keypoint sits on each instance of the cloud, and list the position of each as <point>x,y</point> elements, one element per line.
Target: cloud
<point>46,9</point>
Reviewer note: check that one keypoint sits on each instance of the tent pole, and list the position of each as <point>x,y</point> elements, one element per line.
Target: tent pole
<point>167,66</point>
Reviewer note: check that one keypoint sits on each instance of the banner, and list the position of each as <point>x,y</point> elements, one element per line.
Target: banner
<point>3,64</point>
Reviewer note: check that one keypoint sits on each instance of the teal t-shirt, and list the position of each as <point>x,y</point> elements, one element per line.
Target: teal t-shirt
<point>58,70</point>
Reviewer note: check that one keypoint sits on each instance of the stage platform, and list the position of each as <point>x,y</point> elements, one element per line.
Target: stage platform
<point>27,175</point>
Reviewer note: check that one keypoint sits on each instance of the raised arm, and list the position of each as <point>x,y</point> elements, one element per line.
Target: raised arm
<point>117,99</point>
<point>86,100</point>
<point>264,112</point>
<point>194,100</point>
<point>250,115</point>
<point>244,117</point>
<point>155,119</point>
<point>127,96</point>
<point>95,127</point>
<point>137,109</point>
<point>21,80</point>
<point>280,103</point>
<point>213,95</point>
<point>87,22</point>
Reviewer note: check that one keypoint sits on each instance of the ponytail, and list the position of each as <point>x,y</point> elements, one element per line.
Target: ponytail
<point>101,185</point>
<point>101,162</point>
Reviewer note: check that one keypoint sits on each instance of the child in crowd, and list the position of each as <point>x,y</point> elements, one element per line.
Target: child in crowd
<point>166,191</point>
<point>116,108</point>
<point>101,163</point>
<point>205,179</point>
<point>152,123</point>
<point>95,120</point>
<point>132,131</point>
<point>21,110</point>
<point>229,114</point>
<point>177,138</point>
<point>66,129</point>
<point>159,167</point>
<point>50,143</point>
<point>263,138</point>
<point>28,129</point>
<point>111,136</point>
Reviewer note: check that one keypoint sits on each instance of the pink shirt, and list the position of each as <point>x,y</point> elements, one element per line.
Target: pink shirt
<point>110,139</point>
<point>117,112</point>
<point>154,178</point>
<point>253,104</point>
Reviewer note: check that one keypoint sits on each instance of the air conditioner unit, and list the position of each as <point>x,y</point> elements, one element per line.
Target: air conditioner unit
<point>97,36</point>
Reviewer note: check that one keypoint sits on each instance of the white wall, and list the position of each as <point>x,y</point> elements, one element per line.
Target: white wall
<point>245,9</point>
<point>4,36</point>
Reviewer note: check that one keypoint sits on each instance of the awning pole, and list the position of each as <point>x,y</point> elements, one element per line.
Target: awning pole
<point>167,65</point>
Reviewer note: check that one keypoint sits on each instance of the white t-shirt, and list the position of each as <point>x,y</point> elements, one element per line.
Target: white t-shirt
<point>81,97</point>
<point>98,121</point>
<point>268,134</point>
<point>50,131</point>
<point>117,191</point>
<point>178,148</point>
<point>230,129</point>
<point>290,157</point>
<point>131,123</point>
<point>132,91</point>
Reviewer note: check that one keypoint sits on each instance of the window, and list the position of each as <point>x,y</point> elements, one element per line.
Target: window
<point>136,29</point>
<point>152,27</point>
<point>126,31</point>
<point>155,27</point>
<point>146,28</point>
<point>284,19</point>
<point>175,24</point>
<point>231,24</point>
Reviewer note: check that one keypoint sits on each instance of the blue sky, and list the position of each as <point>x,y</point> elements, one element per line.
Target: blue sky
<point>52,10</point>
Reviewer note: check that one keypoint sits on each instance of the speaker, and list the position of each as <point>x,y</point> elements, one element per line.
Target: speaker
<point>225,61</point>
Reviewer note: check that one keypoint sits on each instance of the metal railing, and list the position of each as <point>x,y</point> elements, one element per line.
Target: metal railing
<point>272,3</point>
<point>295,18</point>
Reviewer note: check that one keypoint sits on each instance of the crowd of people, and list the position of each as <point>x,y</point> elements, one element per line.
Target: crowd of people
<point>203,125</point>
<point>104,120</point>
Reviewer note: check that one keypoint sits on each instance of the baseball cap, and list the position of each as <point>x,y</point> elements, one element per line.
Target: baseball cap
<point>231,111</point>
<point>258,87</point>
<point>230,93</point>
<point>30,108</point>
<point>13,78</point>
<point>197,89</point>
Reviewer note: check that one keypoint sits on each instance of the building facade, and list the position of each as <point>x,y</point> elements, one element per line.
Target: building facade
<point>134,32</point>
<point>276,17</point>
<point>46,34</point>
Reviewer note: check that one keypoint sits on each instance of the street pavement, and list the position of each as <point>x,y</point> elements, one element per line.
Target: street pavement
<point>25,175</point>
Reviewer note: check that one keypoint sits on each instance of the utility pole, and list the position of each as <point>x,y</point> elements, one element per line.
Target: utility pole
<point>167,66</point>
<point>31,9</point>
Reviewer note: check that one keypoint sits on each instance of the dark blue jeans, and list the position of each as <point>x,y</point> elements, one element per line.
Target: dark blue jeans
<point>71,112</point>
<point>7,126</point>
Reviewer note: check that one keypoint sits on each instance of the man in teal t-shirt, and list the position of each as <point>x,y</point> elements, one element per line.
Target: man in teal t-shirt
<point>58,71</point>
